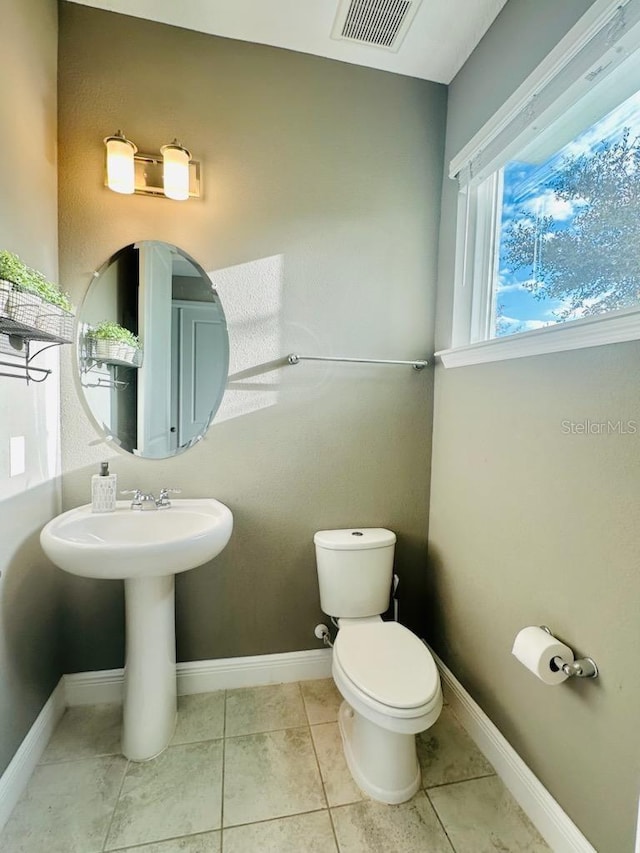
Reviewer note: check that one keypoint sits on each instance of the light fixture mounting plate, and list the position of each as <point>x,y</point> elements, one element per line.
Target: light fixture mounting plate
<point>148,176</point>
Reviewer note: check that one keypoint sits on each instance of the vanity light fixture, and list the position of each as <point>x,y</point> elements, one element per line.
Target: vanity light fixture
<point>175,171</point>
<point>120,163</point>
<point>172,174</point>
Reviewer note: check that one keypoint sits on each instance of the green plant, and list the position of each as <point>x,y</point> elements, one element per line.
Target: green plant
<point>110,331</point>
<point>28,280</point>
<point>51,293</point>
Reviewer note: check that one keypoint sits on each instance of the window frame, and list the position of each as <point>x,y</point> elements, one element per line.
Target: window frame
<point>594,47</point>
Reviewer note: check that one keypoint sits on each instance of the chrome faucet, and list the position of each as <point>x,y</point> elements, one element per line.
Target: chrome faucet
<point>163,501</point>
<point>145,501</point>
<point>141,500</point>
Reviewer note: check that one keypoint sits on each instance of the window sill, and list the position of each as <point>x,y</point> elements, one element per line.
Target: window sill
<point>615,327</point>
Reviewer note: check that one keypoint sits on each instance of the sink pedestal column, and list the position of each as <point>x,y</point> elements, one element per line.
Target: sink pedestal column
<point>150,704</point>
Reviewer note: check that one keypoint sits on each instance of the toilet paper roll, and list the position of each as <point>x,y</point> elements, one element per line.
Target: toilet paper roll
<point>536,650</point>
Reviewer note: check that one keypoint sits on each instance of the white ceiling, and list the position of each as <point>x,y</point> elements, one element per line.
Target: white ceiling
<point>441,37</point>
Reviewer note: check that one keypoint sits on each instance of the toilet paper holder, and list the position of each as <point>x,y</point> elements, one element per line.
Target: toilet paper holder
<point>581,667</point>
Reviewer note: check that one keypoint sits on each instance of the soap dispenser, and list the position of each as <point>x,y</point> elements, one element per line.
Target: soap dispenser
<point>103,490</point>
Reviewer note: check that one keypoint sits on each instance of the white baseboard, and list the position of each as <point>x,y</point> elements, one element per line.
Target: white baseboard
<point>555,826</point>
<point>94,688</point>
<point>204,676</point>
<point>14,779</point>
<point>228,673</point>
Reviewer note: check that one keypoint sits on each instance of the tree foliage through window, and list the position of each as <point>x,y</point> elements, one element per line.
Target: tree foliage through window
<point>590,261</point>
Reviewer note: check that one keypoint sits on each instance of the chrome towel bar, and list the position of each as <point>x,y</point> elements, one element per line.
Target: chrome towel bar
<point>293,358</point>
<point>25,371</point>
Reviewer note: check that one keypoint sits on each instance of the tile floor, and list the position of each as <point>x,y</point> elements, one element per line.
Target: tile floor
<point>256,769</point>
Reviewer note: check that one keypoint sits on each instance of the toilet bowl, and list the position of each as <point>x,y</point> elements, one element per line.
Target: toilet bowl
<point>385,674</point>
<point>391,691</point>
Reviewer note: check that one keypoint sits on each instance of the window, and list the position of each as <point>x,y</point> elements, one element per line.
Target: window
<point>548,241</point>
<point>569,241</point>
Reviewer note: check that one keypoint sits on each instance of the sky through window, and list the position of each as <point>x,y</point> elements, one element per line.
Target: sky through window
<point>570,228</point>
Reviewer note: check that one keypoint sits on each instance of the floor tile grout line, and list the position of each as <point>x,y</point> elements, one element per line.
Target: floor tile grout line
<point>270,731</point>
<point>271,819</point>
<point>78,758</point>
<point>458,781</point>
<point>115,805</point>
<point>225,737</point>
<point>192,742</point>
<point>224,758</point>
<point>324,789</point>
<point>333,830</point>
<point>315,754</point>
<point>169,746</point>
<point>440,821</point>
<point>143,844</point>
<point>304,705</point>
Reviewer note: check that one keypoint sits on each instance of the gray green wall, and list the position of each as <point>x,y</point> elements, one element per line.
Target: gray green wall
<point>29,652</point>
<point>320,219</point>
<point>530,526</point>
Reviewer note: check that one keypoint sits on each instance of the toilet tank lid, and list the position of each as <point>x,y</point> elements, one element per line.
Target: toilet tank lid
<point>355,538</point>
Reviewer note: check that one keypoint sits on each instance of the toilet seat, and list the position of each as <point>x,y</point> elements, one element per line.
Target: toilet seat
<point>388,666</point>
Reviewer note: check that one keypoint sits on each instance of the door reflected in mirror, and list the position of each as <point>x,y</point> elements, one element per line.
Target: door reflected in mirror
<point>153,350</point>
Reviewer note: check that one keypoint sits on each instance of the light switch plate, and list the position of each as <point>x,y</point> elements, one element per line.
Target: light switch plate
<point>17,457</point>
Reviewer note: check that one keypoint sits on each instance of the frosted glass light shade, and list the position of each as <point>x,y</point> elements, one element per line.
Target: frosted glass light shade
<point>120,164</point>
<point>176,171</point>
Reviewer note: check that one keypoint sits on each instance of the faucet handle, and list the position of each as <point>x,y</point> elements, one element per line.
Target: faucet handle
<point>163,499</point>
<point>141,500</point>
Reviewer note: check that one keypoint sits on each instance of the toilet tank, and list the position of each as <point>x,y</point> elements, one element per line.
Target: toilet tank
<point>355,568</point>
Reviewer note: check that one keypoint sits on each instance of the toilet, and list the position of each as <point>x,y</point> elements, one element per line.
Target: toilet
<point>385,674</point>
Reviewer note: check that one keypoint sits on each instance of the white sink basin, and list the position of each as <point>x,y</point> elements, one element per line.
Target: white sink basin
<point>133,544</point>
<point>146,548</point>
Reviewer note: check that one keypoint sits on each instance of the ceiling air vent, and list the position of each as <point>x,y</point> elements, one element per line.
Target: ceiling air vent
<point>381,23</point>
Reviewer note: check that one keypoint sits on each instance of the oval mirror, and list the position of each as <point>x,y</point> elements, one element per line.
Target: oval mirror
<point>153,349</point>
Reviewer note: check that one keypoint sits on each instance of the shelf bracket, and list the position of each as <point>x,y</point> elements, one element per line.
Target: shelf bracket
<point>26,370</point>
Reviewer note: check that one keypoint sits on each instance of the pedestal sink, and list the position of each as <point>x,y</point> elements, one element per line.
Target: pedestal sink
<point>146,549</point>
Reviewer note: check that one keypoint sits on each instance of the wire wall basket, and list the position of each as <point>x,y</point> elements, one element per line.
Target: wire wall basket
<point>113,352</point>
<point>27,316</point>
